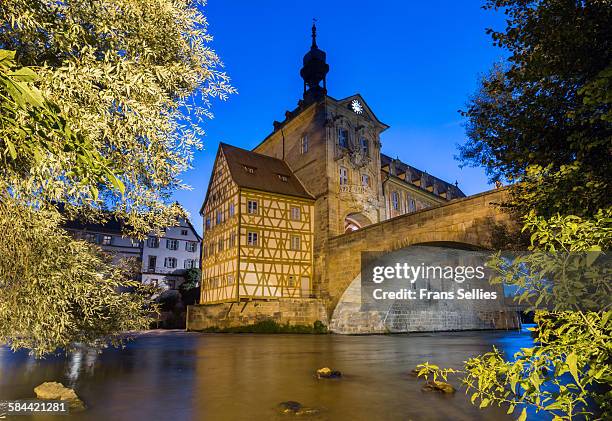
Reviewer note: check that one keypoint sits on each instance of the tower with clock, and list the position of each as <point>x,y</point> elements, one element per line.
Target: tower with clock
<point>332,147</point>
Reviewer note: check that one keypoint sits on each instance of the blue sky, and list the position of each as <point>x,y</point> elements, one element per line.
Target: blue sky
<point>415,64</point>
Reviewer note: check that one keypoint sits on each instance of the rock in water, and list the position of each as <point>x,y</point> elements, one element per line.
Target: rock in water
<point>57,391</point>
<point>296,408</point>
<point>328,373</point>
<point>438,386</point>
<point>289,407</point>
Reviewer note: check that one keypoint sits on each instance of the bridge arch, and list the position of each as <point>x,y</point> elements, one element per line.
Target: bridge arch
<point>354,221</point>
<point>464,224</point>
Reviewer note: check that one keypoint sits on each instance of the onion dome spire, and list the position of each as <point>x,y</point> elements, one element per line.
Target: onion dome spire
<point>314,70</point>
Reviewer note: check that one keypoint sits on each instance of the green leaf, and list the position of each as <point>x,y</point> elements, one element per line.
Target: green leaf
<point>23,74</point>
<point>11,149</point>
<point>571,362</point>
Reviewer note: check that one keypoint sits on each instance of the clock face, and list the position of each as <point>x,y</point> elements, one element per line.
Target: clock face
<point>356,107</point>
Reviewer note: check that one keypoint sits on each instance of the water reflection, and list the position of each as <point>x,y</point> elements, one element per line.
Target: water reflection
<point>81,360</point>
<point>190,376</point>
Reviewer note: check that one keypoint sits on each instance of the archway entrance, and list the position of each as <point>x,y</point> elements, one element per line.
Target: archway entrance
<point>355,221</point>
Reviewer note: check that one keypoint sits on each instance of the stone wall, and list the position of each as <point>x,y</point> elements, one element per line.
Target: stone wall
<point>350,318</point>
<point>294,311</point>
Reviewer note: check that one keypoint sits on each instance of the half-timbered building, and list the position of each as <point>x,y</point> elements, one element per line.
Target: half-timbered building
<point>258,230</point>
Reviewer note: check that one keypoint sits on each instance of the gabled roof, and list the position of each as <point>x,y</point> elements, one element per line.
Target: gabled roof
<point>367,111</point>
<point>193,229</point>
<point>269,174</point>
<point>416,175</point>
<point>111,226</point>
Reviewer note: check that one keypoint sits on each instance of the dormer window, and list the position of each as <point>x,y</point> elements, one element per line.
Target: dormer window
<point>248,169</point>
<point>343,137</point>
<point>283,178</point>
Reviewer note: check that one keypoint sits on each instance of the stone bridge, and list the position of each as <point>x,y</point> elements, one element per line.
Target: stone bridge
<point>468,223</point>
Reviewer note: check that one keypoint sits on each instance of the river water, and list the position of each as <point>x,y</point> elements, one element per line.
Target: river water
<point>174,375</point>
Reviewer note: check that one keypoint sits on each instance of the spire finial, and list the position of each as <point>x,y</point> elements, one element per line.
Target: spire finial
<point>314,33</point>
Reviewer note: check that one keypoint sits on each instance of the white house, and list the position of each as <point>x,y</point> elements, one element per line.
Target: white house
<point>163,260</point>
<point>166,258</point>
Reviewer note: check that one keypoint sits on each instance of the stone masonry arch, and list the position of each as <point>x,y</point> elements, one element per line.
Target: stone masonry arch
<point>356,220</point>
<point>469,221</point>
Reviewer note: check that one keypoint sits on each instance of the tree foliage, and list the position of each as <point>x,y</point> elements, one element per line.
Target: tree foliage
<point>33,131</point>
<point>568,371</point>
<point>102,104</point>
<point>56,291</point>
<point>133,79</point>
<point>548,108</point>
<point>190,288</point>
<point>543,120</point>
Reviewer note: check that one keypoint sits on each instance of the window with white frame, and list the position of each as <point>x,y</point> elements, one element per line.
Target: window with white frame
<point>232,239</point>
<point>395,200</point>
<point>295,213</point>
<point>412,205</point>
<point>343,176</point>
<point>295,242</point>
<point>252,238</point>
<point>190,263</point>
<point>231,210</point>
<point>219,217</point>
<point>184,232</point>
<point>107,240</point>
<point>171,244</point>
<point>153,242</point>
<point>220,244</point>
<point>304,144</point>
<point>343,137</point>
<point>170,262</point>
<point>190,246</point>
<point>252,206</point>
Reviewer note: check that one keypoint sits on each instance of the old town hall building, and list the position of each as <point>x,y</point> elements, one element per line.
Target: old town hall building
<point>269,212</point>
